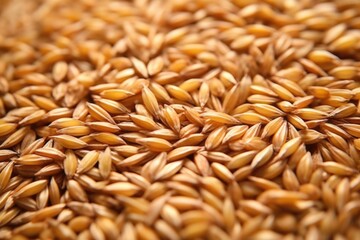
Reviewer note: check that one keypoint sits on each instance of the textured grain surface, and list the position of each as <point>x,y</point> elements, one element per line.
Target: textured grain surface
<point>153,119</point>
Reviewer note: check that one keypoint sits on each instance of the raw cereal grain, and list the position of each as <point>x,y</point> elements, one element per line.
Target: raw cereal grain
<point>205,119</point>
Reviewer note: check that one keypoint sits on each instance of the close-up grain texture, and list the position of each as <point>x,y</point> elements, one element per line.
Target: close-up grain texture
<point>180,119</point>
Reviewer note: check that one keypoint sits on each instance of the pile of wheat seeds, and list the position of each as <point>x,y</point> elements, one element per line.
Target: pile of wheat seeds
<point>180,119</point>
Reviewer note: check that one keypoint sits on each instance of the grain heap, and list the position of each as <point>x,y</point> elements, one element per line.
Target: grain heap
<point>180,119</point>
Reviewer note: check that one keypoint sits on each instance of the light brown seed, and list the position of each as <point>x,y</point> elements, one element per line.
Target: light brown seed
<point>139,67</point>
<point>116,94</point>
<point>268,110</point>
<point>169,170</point>
<point>222,172</point>
<point>241,159</point>
<point>76,192</point>
<point>337,168</point>
<point>50,153</point>
<point>166,230</point>
<point>217,156</point>
<point>272,127</point>
<point>220,117</point>
<point>44,103</point>
<point>15,138</point>
<point>66,122</point>
<point>304,168</point>
<point>7,128</point>
<point>135,159</point>
<point>105,163</point>
<point>155,66</point>
<point>262,157</point>
<point>145,122</point>
<point>229,104</point>
<point>99,113</point>
<point>179,93</point>
<point>150,101</point>
<point>48,212</point>
<point>215,138</point>
<point>181,152</point>
<point>108,138</point>
<point>122,188</point>
<point>31,189</point>
<point>70,163</point>
<point>155,144</point>
<point>235,133</point>
<point>69,141</point>
<point>54,192</point>
<point>191,140</point>
<point>288,148</point>
<point>88,161</point>
<point>251,118</point>
<point>5,175</point>
<point>6,154</point>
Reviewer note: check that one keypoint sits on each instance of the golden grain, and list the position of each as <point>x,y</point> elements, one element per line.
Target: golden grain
<point>135,159</point>
<point>155,144</point>
<point>189,120</point>
<point>144,122</point>
<point>6,154</point>
<point>215,138</point>
<point>51,153</point>
<point>220,117</point>
<point>262,157</point>
<point>88,161</point>
<point>76,192</point>
<point>31,189</point>
<point>217,156</point>
<point>15,138</point>
<point>99,113</point>
<point>5,175</point>
<point>268,110</point>
<point>251,118</point>
<point>155,66</point>
<point>168,170</point>
<point>108,138</point>
<point>7,128</point>
<point>69,141</point>
<point>139,67</point>
<point>47,212</point>
<point>122,188</point>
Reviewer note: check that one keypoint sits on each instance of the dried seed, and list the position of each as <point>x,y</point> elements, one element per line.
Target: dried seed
<point>15,138</point>
<point>99,114</point>
<point>155,144</point>
<point>69,141</point>
<point>185,121</point>
<point>122,188</point>
<point>88,161</point>
<point>31,189</point>
<point>116,94</point>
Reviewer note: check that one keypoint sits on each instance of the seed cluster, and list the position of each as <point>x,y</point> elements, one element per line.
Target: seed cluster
<point>180,119</point>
